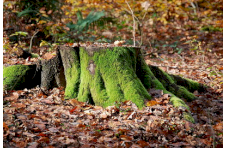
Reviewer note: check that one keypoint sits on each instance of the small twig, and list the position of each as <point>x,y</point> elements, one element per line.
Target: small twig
<point>134,25</point>
<point>141,27</point>
<point>138,21</point>
<point>134,16</point>
<point>144,15</point>
<point>194,7</point>
<point>31,40</point>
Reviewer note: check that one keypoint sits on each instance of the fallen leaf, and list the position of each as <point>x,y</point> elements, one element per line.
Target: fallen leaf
<point>74,102</point>
<point>48,56</point>
<point>112,109</point>
<point>42,135</point>
<point>5,127</point>
<point>179,144</point>
<point>13,96</point>
<point>125,138</point>
<point>22,117</point>
<point>29,134</point>
<point>188,125</point>
<point>18,105</point>
<point>47,101</point>
<point>81,125</point>
<point>33,145</point>
<point>103,115</point>
<point>151,103</point>
<point>206,141</point>
<point>53,129</point>
<point>43,140</point>
<point>41,126</point>
<point>21,144</point>
<point>72,110</point>
<point>218,127</point>
<point>68,141</point>
<point>50,146</point>
<point>142,143</point>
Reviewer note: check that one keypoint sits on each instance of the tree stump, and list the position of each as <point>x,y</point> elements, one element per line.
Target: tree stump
<point>105,75</point>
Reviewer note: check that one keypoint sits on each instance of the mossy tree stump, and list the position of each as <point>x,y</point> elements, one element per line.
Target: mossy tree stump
<point>105,75</point>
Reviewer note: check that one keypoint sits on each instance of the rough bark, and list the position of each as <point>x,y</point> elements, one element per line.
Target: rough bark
<point>52,73</point>
<point>105,75</point>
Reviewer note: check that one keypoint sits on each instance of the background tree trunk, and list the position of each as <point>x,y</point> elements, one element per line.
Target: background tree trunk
<point>105,75</point>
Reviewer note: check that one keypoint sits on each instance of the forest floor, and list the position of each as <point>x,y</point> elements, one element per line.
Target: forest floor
<point>33,118</point>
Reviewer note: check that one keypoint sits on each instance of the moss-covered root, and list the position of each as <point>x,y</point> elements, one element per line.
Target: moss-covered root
<point>188,83</point>
<point>20,77</point>
<point>169,83</point>
<point>177,102</point>
<point>109,76</point>
<point>150,81</point>
<point>71,63</point>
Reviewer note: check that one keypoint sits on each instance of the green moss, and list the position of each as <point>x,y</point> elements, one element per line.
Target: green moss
<point>192,85</point>
<point>34,55</point>
<point>85,77</point>
<point>188,117</point>
<point>188,83</point>
<point>177,102</point>
<point>184,93</point>
<point>114,78</point>
<point>15,76</point>
<point>72,75</point>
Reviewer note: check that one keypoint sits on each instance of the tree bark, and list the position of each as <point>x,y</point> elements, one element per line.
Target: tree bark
<point>105,75</point>
<point>52,73</point>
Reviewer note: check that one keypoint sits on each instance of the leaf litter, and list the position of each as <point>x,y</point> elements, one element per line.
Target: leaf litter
<point>32,121</point>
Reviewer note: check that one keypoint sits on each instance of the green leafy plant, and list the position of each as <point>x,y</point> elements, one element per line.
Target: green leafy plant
<point>34,9</point>
<point>98,130</point>
<point>179,50</point>
<point>19,34</point>
<point>211,28</point>
<point>195,46</point>
<point>49,45</point>
<point>174,46</point>
<point>77,31</point>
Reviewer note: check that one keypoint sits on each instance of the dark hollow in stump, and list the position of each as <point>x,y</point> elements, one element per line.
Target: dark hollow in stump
<point>105,75</point>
